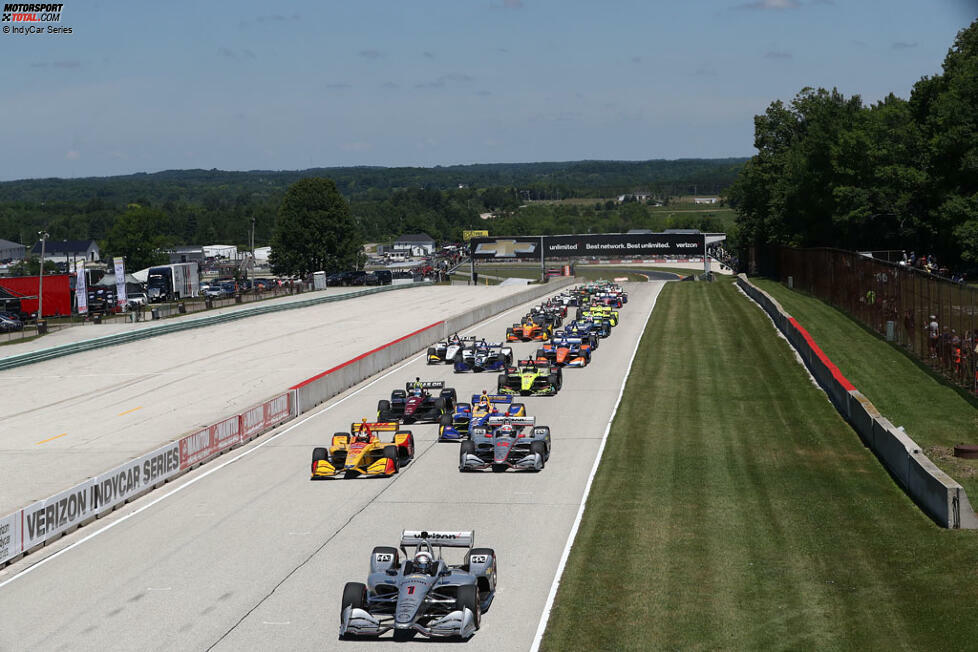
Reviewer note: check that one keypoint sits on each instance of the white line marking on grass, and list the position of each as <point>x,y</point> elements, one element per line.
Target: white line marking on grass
<point>545,616</point>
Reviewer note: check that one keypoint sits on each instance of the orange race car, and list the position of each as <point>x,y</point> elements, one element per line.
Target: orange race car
<point>361,452</point>
<point>530,330</point>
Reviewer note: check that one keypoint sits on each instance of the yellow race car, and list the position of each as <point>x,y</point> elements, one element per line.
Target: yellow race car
<point>599,312</point>
<point>362,452</point>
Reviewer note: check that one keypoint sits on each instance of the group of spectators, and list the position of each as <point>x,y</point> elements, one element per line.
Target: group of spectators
<point>928,263</point>
<point>720,253</point>
<point>955,352</point>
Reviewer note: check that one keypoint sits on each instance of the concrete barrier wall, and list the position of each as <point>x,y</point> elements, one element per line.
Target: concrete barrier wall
<point>324,386</point>
<point>937,494</point>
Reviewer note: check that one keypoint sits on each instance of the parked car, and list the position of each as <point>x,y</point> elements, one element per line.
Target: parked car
<point>136,300</point>
<point>379,277</point>
<point>213,292</point>
<point>8,325</point>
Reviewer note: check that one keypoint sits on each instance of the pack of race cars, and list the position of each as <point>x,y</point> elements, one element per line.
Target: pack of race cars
<point>420,593</point>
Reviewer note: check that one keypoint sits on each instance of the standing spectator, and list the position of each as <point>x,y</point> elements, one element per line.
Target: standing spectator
<point>933,332</point>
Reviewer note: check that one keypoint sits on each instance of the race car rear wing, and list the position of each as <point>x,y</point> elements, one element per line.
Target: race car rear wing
<point>426,384</point>
<point>440,538</point>
<point>493,398</point>
<point>515,421</point>
<point>379,426</point>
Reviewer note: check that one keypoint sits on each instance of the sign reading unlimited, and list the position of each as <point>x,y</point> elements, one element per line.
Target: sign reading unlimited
<point>602,244</point>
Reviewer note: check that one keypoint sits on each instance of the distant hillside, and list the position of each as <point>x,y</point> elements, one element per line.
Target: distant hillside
<point>568,179</point>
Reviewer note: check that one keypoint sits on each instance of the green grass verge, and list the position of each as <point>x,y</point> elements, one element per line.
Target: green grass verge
<point>735,509</point>
<point>933,413</point>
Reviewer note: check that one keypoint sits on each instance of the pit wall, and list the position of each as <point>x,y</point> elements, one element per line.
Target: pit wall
<point>44,521</point>
<point>936,493</point>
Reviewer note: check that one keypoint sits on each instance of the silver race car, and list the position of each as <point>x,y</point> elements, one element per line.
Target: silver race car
<point>506,443</point>
<point>421,593</point>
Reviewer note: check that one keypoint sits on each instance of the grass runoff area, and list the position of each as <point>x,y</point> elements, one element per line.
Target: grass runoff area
<point>935,414</point>
<point>735,509</point>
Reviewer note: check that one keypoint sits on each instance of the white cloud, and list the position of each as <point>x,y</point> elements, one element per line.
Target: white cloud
<point>72,155</point>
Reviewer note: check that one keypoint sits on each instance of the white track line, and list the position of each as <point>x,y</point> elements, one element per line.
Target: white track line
<point>247,451</point>
<point>545,616</point>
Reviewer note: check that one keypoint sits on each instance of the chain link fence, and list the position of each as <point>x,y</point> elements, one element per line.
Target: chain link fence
<point>931,316</point>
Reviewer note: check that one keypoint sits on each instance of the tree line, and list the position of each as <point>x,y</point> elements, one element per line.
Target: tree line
<point>140,215</point>
<point>898,174</point>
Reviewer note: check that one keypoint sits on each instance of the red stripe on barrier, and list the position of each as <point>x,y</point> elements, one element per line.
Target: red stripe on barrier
<point>849,387</point>
<point>364,355</point>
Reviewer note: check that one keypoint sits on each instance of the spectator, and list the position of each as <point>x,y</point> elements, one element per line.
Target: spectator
<point>933,332</point>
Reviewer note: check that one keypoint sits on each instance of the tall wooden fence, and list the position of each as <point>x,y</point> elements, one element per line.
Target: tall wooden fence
<point>897,302</point>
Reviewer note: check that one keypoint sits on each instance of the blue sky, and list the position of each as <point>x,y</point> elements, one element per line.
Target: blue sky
<point>142,87</point>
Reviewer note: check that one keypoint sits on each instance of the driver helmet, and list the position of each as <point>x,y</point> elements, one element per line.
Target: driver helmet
<point>484,399</point>
<point>505,430</point>
<point>363,433</point>
<point>423,562</point>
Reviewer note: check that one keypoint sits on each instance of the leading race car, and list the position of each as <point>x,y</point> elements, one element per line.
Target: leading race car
<point>421,594</point>
<point>453,427</point>
<point>362,452</point>
<point>483,356</point>
<point>448,349</point>
<point>506,443</point>
<point>415,403</point>
<point>530,378</point>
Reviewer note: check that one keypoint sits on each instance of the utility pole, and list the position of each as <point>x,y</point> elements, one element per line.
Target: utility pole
<point>252,245</point>
<point>40,279</point>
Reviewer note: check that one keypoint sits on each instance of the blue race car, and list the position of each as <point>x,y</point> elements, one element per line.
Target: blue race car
<point>455,426</point>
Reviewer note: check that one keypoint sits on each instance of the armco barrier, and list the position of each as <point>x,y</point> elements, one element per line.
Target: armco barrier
<point>182,324</point>
<point>323,386</point>
<point>938,495</point>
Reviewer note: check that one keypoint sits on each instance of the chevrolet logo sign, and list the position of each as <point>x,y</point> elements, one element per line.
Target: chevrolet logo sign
<point>505,248</point>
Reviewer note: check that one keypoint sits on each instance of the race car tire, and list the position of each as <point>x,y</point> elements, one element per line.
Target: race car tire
<point>539,448</point>
<point>386,550</point>
<point>354,595</point>
<point>440,404</point>
<point>501,381</point>
<point>390,452</point>
<point>499,468</point>
<point>410,454</point>
<point>445,420</point>
<point>320,454</point>
<point>467,446</point>
<point>431,352</point>
<point>467,597</point>
<point>541,353</point>
<point>383,410</point>
<point>554,381</point>
<point>450,393</point>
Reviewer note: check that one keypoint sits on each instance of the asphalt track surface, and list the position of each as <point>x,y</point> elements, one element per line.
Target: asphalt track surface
<point>246,553</point>
<point>71,418</point>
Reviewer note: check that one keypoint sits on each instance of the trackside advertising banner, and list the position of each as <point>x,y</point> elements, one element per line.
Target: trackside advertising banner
<point>10,545</point>
<point>51,516</point>
<point>210,441</point>
<point>602,244</point>
<point>120,281</point>
<point>126,480</point>
<point>81,289</point>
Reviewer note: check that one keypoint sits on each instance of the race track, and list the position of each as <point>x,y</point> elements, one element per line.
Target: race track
<point>85,413</point>
<point>246,553</point>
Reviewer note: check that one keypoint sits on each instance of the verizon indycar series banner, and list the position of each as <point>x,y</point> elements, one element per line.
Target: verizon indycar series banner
<point>603,244</point>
